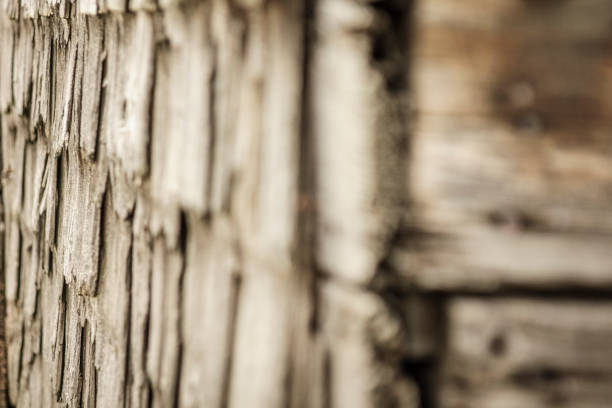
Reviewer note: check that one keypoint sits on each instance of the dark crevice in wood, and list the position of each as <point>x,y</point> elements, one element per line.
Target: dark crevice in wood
<point>59,202</point>
<point>183,239</point>
<point>307,177</point>
<point>326,378</point>
<point>426,370</point>
<point>51,84</point>
<point>150,395</point>
<point>4,400</point>
<point>23,181</point>
<point>390,46</point>
<point>305,258</point>
<point>510,291</point>
<point>179,364</point>
<point>106,197</point>
<point>82,358</point>
<point>151,106</point>
<point>71,102</point>
<point>212,125</point>
<point>12,54</point>
<point>424,374</point>
<point>145,335</point>
<point>544,376</point>
<point>128,324</point>
<point>498,345</point>
<point>103,91</point>
<point>288,376</point>
<point>231,338</point>
<point>77,80</point>
<point>19,264</point>
<point>27,108</point>
<point>62,340</point>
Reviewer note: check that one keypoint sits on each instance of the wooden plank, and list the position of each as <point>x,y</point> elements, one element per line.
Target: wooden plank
<point>278,167</point>
<point>62,70</point>
<point>163,350</point>
<point>22,57</point>
<point>112,307</point>
<point>40,110</point>
<point>527,352</point>
<point>165,217</point>
<point>131,142</point>
<point>510,175</point>
<point>128,96</point>
<point>71,381</point>
<point>52,304</point>
<point>139,388</point>
<point>210,299</point>
<point>188,147</point>
<point>14,151</point>
<point>227,32</point>
<point>94,61</point>
<point>358,131</point>
<point>79,222</point>
<point>262,176</point>
<point>355,324</point>
<point>262,338</point>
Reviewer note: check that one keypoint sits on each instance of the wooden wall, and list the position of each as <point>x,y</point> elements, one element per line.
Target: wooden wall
<point>299,203</point>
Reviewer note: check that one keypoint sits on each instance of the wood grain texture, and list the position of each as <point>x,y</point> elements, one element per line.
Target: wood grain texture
<point>159,204</point>
<point>305,204</point>
<point>510,170</point>
<point>526,352</point>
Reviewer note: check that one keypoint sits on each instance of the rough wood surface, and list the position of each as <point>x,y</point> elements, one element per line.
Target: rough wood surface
<point>160,187</point>
<point>295,203</point>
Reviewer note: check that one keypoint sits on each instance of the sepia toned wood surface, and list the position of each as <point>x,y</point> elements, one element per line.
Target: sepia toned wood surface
<point>288,203</point>
<point>163,174</point>
<point>513,352</point>
<point>509,185</point>
<point>511,174</point>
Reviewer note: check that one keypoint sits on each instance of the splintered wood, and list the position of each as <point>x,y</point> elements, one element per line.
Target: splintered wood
<point>305,204</point>
<point>160,195</point>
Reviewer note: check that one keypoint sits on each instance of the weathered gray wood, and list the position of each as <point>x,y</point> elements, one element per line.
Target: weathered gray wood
<point>164,324</point>
<point>189,137</point>
<point>140,297</point>
<point>112,307</point>
<point>94,60</point>
<point>211,288</point>
<point>158,196</point>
